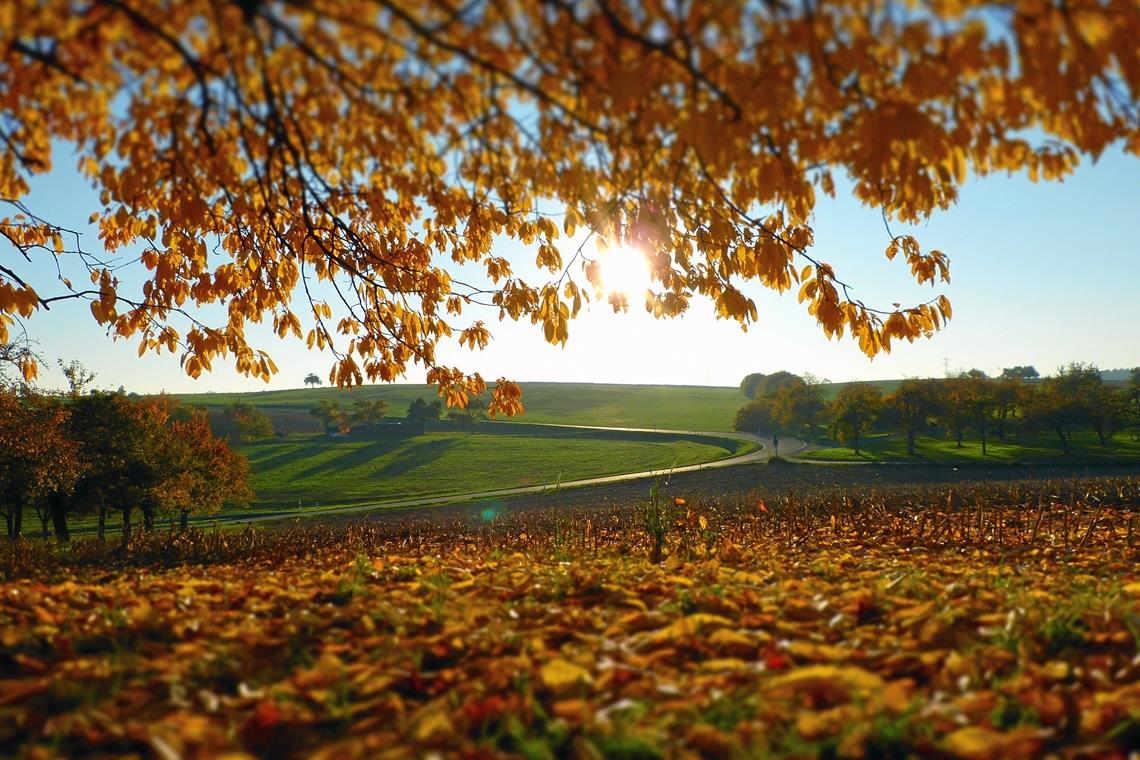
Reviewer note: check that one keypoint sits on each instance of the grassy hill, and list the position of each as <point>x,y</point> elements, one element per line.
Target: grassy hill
<point>303,467</point>
<point>675,407</point>
<point>300,471</point>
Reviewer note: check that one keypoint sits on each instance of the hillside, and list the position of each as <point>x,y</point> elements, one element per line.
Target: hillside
<point>674,407</point>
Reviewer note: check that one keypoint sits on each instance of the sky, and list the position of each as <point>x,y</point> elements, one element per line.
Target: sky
<point>1042,274</point>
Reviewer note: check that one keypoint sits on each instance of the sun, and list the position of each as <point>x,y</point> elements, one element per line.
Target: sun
<point>624,269</point>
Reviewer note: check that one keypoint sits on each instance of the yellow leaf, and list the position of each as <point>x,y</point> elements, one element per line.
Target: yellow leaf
<point>828,683</point>
<point>975,743</point>
<point>433,725</point>
<point>560,676</point>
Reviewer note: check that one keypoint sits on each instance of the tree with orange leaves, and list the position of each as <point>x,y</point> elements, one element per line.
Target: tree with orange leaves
<point>248,151</point>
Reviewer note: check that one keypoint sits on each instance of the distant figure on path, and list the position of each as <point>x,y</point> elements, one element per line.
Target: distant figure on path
<point>775,445</point>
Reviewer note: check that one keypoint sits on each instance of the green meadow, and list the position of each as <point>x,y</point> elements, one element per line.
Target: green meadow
<point>673,407</point>
<point>304,471</point>
<point>1040,448</point>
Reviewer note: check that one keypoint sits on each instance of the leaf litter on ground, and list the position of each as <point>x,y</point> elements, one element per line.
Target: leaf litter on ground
<point>986,623</point>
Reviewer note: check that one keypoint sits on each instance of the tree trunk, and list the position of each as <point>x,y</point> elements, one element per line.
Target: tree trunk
<point>958,435</point>
<point>910,441</point>
<point>983,437</point>
<point>1064,441</point>
<point>17,528</point>
<point>148,518</point>
<point>102,522</point>
<point>59,520</point>
<point>126,524</point>
<point>856,441</point>
<point>184,520</point>
<point>45,518</point>
<point>8,522</point>
<point>1100,435</point>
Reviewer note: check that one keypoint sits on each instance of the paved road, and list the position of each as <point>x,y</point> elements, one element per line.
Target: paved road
<point>788,446</point>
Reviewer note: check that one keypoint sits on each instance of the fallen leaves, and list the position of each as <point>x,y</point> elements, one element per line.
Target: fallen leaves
<point>831,644</point>
<point>560,677</point>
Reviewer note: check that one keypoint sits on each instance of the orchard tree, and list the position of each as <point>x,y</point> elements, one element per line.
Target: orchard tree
<point>367,411</point>
<point>329,412</point>
<point>38,460</point>
<point>204,473</point>
<point>247,422</point>
<point>913,403</point>
<point>954,407</point>
<point>1011,396</point>
<point>755,417</point>
<point>1132,396</point>
<point>769,385</point>
<point>854,409</point>
<point>750,384</point>
<point>312,380</point>
<point>1107,410</point>
<point>1020,372</point>
<point>799,406</point>
<point>126,452</point>
<point>1062,402</point>
<point>981,403</point>
<point>348,171</point>
<point>475,410</point>
<point>419,412</point>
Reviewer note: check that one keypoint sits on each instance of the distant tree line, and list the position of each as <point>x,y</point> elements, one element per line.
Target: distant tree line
<point>419,413</point>
<point>968,404</point>
<point>362,412</point>
<point>96,453</point>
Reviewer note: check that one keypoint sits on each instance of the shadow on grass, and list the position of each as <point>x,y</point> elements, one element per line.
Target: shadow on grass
<point>416,455</point>
<point>273,456</point>
<point>353,455</point>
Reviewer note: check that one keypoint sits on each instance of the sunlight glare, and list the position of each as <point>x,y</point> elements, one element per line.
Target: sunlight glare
<point>625,270</point>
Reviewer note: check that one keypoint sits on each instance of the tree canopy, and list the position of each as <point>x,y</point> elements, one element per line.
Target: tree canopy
<point>255,154</point>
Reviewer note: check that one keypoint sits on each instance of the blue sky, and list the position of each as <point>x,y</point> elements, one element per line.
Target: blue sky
<point>1042,274</point>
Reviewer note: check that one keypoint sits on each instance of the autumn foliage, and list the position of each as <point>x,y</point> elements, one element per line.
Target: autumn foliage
<point>249,153</point>
<point>103,452</point>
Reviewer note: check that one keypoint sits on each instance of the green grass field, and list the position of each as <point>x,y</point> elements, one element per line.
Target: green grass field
<point>673,407</point>
<point>1038,449</point>
<point>312,469</point>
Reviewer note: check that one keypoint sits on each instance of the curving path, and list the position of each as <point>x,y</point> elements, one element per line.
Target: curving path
<point>788,447</point>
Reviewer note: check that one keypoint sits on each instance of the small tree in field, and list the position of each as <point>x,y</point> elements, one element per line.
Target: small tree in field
<point>312,380</point>
<point>853,411</point>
